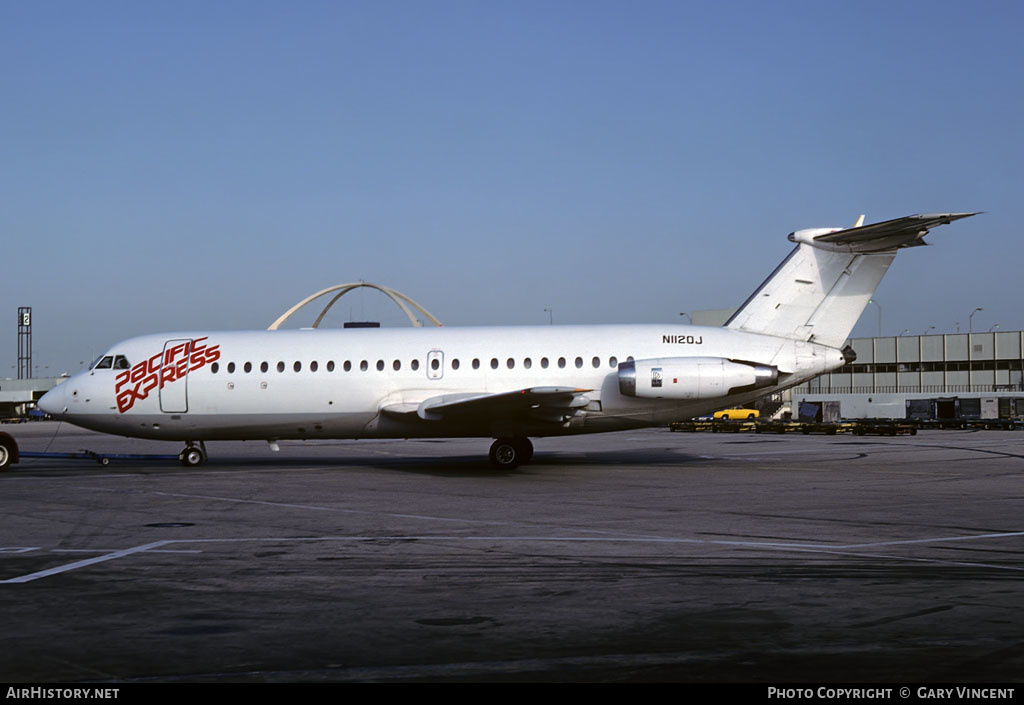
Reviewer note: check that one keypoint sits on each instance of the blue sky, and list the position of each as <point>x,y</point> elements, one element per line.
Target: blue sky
<point>205,165</point>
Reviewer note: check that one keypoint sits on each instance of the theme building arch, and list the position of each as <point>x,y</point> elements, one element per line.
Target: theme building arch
<point>400,299</point>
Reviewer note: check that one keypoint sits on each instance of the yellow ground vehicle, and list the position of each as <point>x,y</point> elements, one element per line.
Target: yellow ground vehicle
<point>727,414</point>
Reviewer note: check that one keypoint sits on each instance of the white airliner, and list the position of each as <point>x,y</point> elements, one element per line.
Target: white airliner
<point>507,383</point>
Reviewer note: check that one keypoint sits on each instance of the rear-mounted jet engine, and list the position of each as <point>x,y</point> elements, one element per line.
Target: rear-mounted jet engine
<point>692,377</point>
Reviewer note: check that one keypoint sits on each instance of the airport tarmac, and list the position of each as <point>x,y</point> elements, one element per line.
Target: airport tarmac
<point>637,556</point>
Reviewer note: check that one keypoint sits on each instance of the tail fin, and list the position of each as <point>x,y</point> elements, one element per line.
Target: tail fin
<point>820,290</point>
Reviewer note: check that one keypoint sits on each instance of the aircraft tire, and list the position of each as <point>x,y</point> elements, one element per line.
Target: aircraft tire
<point>6,454</point>
<point>525,450</point>
<point>506,454</point>
<point>192,457</point>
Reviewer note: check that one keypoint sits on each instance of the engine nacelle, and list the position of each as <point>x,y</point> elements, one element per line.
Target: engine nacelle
<point>692,377</point>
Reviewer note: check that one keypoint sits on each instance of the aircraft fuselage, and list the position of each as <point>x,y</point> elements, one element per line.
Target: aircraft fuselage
<point>367,383</point>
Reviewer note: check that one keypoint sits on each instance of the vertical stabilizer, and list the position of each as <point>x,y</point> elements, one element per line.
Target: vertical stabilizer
<point>820,290</point>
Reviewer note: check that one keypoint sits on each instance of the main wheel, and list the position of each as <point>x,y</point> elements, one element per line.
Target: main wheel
<point>525,450</point>
<point>506,453</point>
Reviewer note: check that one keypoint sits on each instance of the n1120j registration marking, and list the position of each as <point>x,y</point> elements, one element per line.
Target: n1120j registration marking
<point>683,339</point>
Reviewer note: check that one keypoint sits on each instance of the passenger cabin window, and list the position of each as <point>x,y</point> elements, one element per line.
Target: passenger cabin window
<point>455,363</point>
<point>544,362</point>
<point>314,366</point>
<point>247,367</point>
<point>415,365</point>
<point>476,363</point>
<point>579,362</point>
<point>264,367</point>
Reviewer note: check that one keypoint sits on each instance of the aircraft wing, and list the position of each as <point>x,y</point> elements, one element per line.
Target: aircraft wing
<point>553,404</point>
<point>891,234</point>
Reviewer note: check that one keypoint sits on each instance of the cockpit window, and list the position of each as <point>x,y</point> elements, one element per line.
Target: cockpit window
<point>121,362</point>
<point>105,364</point>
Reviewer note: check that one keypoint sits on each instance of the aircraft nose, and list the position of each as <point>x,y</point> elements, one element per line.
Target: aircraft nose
<point>53,402</point>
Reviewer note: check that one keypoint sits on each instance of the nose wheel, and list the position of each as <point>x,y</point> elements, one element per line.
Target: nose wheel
<point>8,451</point>
<point>193,455</point>
<point>509,453</point>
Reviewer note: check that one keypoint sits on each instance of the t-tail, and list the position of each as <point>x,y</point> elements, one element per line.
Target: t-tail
<point>820,290</point>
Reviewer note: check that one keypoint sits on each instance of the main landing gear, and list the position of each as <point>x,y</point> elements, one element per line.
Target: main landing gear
<point>509,453</point>
<point>193,455</point>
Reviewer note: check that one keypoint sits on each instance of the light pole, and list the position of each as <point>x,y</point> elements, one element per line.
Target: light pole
<point>970,322</point>
<point>872,301</point>
<point>688,318</point>
<point>551,316</point>
<point>928,329</point>
<point>993,328</point>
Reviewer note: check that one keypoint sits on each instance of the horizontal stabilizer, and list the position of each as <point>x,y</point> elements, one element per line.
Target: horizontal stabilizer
<point>889,234</point>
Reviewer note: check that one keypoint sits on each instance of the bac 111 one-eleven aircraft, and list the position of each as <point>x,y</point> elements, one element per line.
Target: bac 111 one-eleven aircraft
<point>507,383</point>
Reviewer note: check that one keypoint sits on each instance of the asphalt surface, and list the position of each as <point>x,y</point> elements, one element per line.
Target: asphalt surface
<point>639,556</point>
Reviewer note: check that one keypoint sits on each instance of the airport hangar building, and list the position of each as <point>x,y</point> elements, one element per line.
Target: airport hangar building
<point>952,375</point>
<point>944,375</point>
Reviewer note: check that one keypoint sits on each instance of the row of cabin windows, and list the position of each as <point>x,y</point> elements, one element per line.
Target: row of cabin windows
<point>435,364</point>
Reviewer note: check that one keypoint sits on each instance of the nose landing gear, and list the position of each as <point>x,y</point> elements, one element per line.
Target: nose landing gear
<point>193,455</point>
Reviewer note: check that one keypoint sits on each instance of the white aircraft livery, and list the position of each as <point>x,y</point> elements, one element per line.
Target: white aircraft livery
<point>506,383</point>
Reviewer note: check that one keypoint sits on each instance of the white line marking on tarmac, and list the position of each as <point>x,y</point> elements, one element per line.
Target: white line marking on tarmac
<point>320,508</point>
<point>111,550</point>
<point>845,550</point>
<point>938,539</point>
<point>88,561</point>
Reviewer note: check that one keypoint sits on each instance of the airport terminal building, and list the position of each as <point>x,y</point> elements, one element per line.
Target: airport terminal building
<point>974,375</point>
